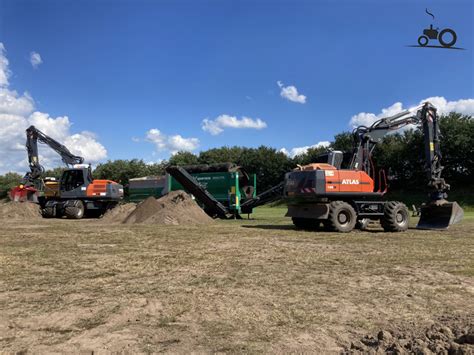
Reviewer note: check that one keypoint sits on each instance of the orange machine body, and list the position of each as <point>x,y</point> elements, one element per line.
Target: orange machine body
<point>348,181</point>
<point>98,188</point>
<point>326,179</point>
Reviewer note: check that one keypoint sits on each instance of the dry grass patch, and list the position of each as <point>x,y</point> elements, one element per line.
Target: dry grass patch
<point>232,286</point>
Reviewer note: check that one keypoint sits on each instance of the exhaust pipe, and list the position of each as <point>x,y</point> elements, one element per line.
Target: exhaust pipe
<point>439,215</point>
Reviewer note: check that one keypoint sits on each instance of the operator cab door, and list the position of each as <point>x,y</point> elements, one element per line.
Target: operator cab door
<point>74,183</point>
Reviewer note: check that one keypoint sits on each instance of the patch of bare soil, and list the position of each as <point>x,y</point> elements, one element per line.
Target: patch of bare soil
<point>175,208</point>
<point>19,211</point>
<point>447,335</point>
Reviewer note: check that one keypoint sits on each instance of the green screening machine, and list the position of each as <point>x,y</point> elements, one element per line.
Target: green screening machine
<point>223,190</point>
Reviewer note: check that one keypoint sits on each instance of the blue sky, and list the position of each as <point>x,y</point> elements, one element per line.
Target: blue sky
<point>121,68</point>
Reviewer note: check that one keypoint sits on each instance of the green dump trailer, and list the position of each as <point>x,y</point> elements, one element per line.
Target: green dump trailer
<point>227,183</point>
<point>144,187</point>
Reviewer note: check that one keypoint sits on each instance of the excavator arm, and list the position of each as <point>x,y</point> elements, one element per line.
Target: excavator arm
<point>32,181</point>
<point>437,211</point>
<point>33,136</point>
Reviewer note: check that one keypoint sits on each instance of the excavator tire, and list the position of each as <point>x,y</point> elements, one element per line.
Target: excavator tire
<point>76,211</point>
<point>48,212</point>
<point>396,217</point>
<point>342,217</point>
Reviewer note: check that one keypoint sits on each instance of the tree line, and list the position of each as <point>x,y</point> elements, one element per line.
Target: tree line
<point>400,154</point>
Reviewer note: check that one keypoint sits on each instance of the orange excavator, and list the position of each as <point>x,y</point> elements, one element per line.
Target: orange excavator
<point>75,194</point>
<point>344,199</point>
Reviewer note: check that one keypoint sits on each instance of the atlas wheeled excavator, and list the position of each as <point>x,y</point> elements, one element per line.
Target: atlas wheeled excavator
<point>343,199</point>
<point>75,194</point>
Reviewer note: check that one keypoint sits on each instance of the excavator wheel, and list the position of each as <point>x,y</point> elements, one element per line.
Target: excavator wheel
<point>396,217</point>
<point>342,217</point>
<point>76,211</point>
<point>48,212</point>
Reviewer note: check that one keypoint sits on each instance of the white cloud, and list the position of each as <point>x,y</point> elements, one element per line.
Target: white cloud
<point>293,152</point>
<point>218,125</point>
<point>172,144</point>
<point>4,71</point>
<point>291,93</point>
<point>85,144</point>
<point>463,106</point>
<point>14,104</point>
<point>35,59</point>
<point>17,112</point>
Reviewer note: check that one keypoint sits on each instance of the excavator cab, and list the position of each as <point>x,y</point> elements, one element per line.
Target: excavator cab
<point>74,178</point>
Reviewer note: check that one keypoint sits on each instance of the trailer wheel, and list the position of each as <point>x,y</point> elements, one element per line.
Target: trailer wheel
<point>76,211</point>
<point>342,217</point>
<point>396,217</point>
<point>306,223</point>
<point>48,212</point>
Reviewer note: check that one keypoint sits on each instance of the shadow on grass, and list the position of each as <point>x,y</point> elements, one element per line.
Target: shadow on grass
<point>320,230</point>
<point>273,227</point>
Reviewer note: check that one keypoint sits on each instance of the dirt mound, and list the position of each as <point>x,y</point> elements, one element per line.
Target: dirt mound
<point>175,208</point>
<point>118,213</point>
<point>453,335</point>
<point>19,211</point>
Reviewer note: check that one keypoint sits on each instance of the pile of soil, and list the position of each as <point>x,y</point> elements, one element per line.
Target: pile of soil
<point>175,208</point>
<point>118,213</point>
<point>449,335</point>
<point>19,211</point>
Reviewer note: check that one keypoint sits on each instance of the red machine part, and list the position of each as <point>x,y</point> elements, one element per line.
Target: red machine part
<point>24,194</point>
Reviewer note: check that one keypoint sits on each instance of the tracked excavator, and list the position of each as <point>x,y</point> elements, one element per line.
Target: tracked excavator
<point>75,194</point>
<point>343,199</point>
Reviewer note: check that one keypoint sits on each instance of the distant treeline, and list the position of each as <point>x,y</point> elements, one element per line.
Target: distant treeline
<point>400,154</point>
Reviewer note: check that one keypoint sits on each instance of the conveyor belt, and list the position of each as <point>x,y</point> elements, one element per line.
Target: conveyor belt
<point>272,194</point>
<point>212,207</point>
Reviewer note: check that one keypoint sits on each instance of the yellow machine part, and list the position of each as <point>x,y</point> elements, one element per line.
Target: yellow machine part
<point>51,189</point>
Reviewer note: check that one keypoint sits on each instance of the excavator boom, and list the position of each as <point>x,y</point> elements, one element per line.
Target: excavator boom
<point>32,181</point>
<point>437,212</point>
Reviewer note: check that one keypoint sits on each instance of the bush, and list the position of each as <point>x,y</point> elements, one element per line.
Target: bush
<point>7,182</point>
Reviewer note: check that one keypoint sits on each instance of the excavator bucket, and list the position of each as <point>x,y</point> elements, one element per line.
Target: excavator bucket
<point>24,194</point>
<point>440,215</point>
